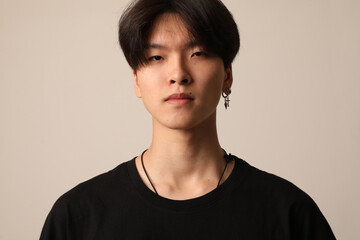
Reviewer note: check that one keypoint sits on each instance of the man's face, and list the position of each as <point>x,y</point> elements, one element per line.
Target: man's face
<point>182,83</point>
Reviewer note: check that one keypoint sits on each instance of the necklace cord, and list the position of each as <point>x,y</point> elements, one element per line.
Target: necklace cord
<point>142,162</point>
<point>222,174</point>
<point>227,157</point>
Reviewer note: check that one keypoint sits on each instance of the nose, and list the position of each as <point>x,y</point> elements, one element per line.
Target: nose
<point>178,72</point>
<point>182,82</point>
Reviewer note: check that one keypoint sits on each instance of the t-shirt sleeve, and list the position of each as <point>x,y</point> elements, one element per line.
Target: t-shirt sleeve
<point>308,223</point>
<point>65,221</point>
<point>56,223</point>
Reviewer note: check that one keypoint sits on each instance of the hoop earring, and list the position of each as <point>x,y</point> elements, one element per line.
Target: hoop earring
<point>225,95</point>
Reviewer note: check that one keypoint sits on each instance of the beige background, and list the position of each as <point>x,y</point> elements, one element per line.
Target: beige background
<point>68,111</point>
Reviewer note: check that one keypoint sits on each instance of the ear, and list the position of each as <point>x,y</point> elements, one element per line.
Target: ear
<point>136,85</point>
<point>228,80</point>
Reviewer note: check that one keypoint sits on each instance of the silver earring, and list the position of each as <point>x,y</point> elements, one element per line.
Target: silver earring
<point>226,97</point>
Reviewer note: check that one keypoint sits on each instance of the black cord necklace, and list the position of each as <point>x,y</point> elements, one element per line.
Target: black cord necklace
<point>227,157</point>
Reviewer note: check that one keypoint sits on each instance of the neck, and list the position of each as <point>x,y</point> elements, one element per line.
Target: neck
<point>184,163</point>
<point>183,152</point>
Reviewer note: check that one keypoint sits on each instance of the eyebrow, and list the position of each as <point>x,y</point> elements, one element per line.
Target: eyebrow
<point>192,44</point>
<point>188,45</point>
<point>155,45</point>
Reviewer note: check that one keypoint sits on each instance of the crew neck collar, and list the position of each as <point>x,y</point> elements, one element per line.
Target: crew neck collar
<point>197,203</point>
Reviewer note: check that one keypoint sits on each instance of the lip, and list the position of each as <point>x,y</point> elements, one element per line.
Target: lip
<point>179,98</point>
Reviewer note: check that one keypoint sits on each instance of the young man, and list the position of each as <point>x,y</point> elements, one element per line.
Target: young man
<point>184,186</point>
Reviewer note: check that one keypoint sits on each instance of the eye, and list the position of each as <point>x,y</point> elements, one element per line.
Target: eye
<point>198,54</point>
<point>155,58</point>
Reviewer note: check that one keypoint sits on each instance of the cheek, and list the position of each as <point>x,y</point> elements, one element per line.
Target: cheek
<point>146,81</point>
<point>148,85</point>
<point>211,78</point>
<point>214,85</point>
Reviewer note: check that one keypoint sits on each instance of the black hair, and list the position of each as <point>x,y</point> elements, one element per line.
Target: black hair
<point>208,21</point>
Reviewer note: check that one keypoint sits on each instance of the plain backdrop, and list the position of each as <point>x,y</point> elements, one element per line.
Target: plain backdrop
<point>68,111</point>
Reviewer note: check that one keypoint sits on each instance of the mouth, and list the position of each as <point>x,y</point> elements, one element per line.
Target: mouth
<point>179,98</point>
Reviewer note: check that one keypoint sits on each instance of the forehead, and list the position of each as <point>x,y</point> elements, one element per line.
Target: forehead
<point>169,27</point>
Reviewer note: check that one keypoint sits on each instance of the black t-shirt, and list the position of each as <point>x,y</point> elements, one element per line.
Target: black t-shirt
<point>250,204</point>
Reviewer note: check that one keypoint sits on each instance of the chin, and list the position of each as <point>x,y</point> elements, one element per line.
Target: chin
<point>183,125</point>
<point>186,121</point>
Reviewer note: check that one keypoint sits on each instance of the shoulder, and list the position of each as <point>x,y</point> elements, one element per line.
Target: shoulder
<point>278,201</point>
<point>78,208</point>
<point>99,186</point>
<point>91,195</point>
<point>270,186</point>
